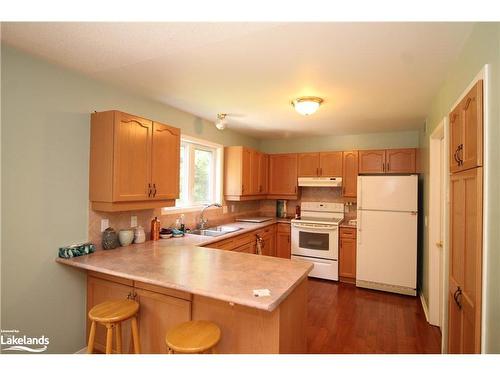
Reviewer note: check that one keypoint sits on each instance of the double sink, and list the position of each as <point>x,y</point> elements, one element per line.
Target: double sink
<point>215,231</point>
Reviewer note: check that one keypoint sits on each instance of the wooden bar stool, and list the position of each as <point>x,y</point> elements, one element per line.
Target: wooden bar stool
<point>111,314</point>
<point>196,336</point>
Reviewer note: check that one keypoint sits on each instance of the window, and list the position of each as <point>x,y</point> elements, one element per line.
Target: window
<point>200,170</point>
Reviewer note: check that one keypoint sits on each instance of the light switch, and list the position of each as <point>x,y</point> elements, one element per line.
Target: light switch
<point>133,221</point>
<point>104,224</point>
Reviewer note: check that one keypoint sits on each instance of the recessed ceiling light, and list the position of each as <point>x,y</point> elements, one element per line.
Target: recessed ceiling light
<point>307,105</point>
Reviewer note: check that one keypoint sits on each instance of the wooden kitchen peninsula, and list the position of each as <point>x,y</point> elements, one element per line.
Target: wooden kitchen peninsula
<point>178,283</point>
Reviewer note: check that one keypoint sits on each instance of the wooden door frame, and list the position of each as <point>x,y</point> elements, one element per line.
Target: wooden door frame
<point>485,75</point>
<point>438,216</point>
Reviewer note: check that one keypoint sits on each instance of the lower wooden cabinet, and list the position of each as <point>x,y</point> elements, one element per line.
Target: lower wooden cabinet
<point>157,314</point>
<point>160,309</point>
<point>347,254</point>
<point>283,241</point>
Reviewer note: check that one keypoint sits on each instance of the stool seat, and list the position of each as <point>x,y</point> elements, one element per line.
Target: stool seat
<point>195,336</point>
<point>114,311</point>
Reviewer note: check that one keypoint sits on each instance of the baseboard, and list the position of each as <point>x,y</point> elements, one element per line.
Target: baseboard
<point>424,307</point>
<point>82,351</point>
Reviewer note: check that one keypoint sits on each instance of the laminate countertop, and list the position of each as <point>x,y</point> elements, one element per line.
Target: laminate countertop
<point>220,274</point>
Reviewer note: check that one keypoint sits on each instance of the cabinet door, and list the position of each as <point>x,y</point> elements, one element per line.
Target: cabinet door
<point>269,245</point>
<point>246,172</point>
<point>401,160</point>
<point>246,248</point>
<point>263,173</point>
<point>255,187</point>
<point>132,158</point>
<point>372,161</point>
<point>283,174</point>
<point>465,272</point>
<point>350,174</point>
<point>283,245</point>
<point>347,262</point>
<point>308,164</point>
<point>165,162</point>
<point>159,313</point>
<point>99,291</point>
<point>471,152</point>
<point>330,164</point>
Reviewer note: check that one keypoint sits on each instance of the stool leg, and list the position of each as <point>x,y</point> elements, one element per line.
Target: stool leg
<point>90,345</point>
<point>135,336</point>
<point>109,338</point>
<point>119,338</point>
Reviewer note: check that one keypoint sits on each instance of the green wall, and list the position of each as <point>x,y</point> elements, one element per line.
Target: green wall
<point>45,155</point>
<point>365,141</point>
<point>482,47</point>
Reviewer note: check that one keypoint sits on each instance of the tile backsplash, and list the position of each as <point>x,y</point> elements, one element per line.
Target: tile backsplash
<point>121,220</point>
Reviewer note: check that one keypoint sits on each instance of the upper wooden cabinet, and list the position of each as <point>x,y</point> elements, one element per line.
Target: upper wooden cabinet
<point>466,131</point>
<point>401,160</point>
<point>245,173</point>
<point>283,176</point>
<point>313,164</point>
<point>350,174</point>
<point>134,162</point>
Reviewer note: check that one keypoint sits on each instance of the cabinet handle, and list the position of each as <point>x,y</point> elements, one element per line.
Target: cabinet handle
<point>456,295</point>
<point>460,148</point>
<point>383,167</point>
<point>149,190</point>
<point>388,166</point>
<point>154,190</point>
<point>320,171</point>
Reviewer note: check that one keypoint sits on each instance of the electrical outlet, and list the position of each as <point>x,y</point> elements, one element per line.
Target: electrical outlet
<point>224,209</point>
<point>104,224</point>
<point>133,221</point>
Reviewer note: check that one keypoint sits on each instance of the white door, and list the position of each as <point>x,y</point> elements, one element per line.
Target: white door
<point>389,193</point>
<point>387,248</point>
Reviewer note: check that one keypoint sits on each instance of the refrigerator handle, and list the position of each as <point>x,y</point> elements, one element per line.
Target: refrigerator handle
<point>358,224</point>
<point>359,202</point>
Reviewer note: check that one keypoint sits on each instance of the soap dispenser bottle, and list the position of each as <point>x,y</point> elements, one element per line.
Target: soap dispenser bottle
<point>155,229</point>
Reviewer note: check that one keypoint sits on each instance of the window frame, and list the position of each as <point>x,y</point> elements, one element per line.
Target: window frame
<point>191,144</point>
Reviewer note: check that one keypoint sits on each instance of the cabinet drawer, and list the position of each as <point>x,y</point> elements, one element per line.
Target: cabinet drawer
<point>348,232</point>
<point>243,239</point>
<point>162,290</point>
<point>115,279</point>
<point>269,230</point>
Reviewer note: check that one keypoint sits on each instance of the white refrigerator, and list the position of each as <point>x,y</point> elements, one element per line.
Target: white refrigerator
<point>387,233</point>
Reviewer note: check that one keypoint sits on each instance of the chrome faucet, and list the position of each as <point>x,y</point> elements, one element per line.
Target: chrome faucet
<point>203,222</point>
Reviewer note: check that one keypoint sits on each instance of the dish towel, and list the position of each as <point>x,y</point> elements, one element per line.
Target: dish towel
<point>76,250</point>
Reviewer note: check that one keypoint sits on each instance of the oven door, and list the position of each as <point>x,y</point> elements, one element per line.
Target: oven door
<point>315,240</point>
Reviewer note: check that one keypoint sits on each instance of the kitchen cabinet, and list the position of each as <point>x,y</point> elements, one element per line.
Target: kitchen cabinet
<point>350,174</point>
<point>282,176</point>
<point>268,236</point>
<point>387,161</point>
<point>347,254</point>
<point>371,161</point>
<point>465,271</point>
<point>160,310</point>
<point>315,164</point>
<point>283,241</point>
<point>466,131</point>
<point>134,162</point>
<point>245,173</point>
<point>159,313</point>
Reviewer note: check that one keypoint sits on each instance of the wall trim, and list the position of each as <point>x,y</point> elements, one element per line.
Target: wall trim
<point>424,306</point>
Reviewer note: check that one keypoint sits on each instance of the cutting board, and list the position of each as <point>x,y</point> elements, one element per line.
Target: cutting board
<point>254,219</point>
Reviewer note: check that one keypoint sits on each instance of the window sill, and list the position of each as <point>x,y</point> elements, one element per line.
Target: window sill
<point>183,210</point>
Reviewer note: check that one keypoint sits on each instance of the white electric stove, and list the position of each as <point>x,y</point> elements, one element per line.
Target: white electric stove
<point>315,237</point>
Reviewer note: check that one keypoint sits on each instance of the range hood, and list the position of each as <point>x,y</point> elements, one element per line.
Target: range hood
<point>320,181</point>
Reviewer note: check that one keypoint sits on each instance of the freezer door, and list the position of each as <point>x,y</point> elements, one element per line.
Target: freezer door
<point>387,248</point>
<point>388,193</point>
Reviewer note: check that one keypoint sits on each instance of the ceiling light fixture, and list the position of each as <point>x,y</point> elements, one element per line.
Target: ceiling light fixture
<point>307,105</point>
<point>221,122</point>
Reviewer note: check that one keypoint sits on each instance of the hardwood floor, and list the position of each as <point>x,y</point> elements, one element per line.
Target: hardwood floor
<point>345,319</point>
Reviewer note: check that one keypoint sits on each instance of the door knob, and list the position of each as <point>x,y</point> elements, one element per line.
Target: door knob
<point>439,244</point>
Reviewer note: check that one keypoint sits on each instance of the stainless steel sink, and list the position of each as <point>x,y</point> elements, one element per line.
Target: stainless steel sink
<point>214,231</point>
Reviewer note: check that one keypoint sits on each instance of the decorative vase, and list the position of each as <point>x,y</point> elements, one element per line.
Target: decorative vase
<point>139,235</point>
<point>109,239</point>
<point>126,236</point>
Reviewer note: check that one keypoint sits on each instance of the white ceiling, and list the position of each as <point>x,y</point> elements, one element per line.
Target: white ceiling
<point>373,76</point>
